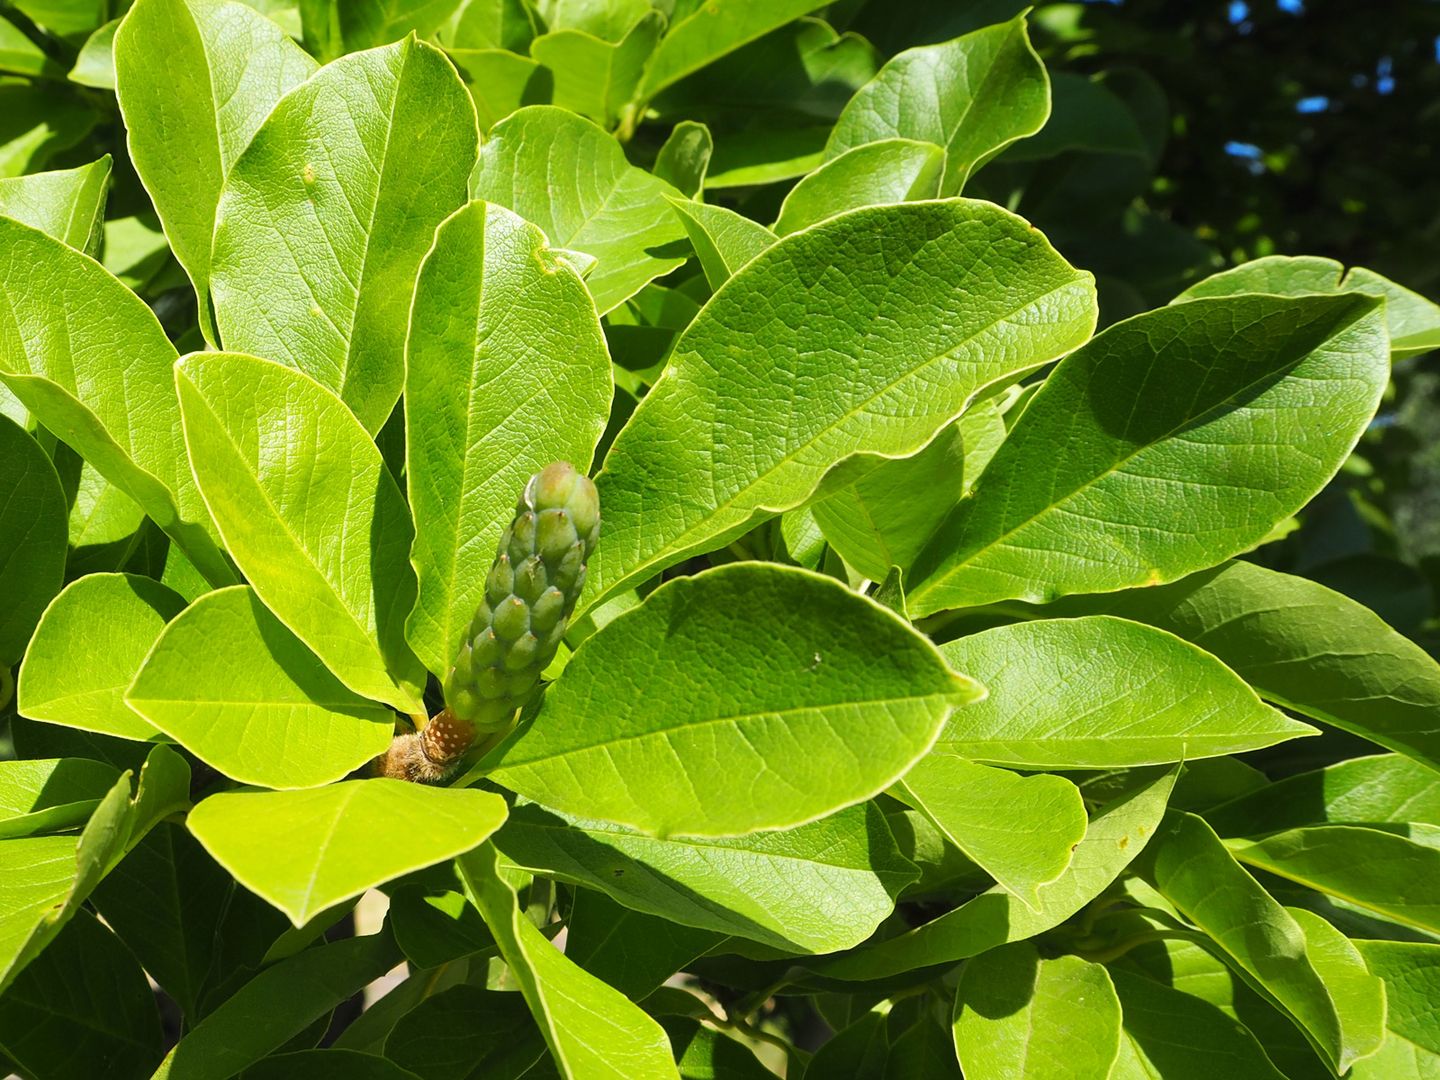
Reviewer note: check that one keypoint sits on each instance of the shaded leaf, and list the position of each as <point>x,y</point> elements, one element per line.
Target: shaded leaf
<point>32,537</point>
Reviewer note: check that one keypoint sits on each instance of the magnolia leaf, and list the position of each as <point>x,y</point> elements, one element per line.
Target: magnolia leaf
<point>1413,321</point>
<point>335,27</point>
<point>1190,867</point>
<point>684,158</point>
<point>32,537</point>
<point>710,30</point>
<point>43,795</point>
<point>659,713</point>
<point>68,204</point>
<point>467,1031</point>
<point>1393,873</point>
<point>309,512</point>
<point>195,79</point>
<point>596,202</point>
<point>820,887</point>
<point>972,96</point>
<point>1021,830</point>
<point>593,1031</point>
<point>325,217</point>
<point>95,62</point>
<point>597,78</point>
<point>45,880</point>
<point>500,82</point>
<point>1019,1016</point>
<point>84,1002</point>
<point>277,1005</point>
<point>885,518</point>
<point>1411,971</point>
<point>506,372</point>
<point>873,174</point>
<point>90,360</point>
<point>1115,836</point>
<point>1100,692</point>
<point>78,678</point>
<point>1179,1035</point>
<point>724,240</point>
<point>1381,790</point>
<point>720,425</point>
<point>305,851</point>
<point>1189,432</point>
<point>228,681</point>
<point>1302,646</point>
<point>633,952</point>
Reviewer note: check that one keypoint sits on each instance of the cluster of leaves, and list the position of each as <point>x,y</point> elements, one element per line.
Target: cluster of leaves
<point>897,731</point>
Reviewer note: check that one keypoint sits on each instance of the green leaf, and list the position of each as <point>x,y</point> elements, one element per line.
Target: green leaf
<point>306,1064</point>
<point>887,515</point>
<point>44,880</point>
<point>91,361</point>
<point>45,795</point>
<point>659,713</point>
<point>710,30</point>
<point>1115,836</point>
<point>325,217</point>
<point>1395,874</point>
<point>1179,1036</point>
<point>278,1004</point>
<point>68,204</point>
<point>1411,1050</point>
<point>37,122</point>
<point>1022,830</point>
<point>78,678</point>
<point>1384,789</point>
<point>817,888</point>
<point>467,1033</point>
<point>1261,400</point>
<point>506,371</point>
<point>95,62</point>
<point>500,82</point>
<point>335,27</point>
<point>20,55</point>
<point>1359,995</point>
<point>195,79</point>
<point>1302,646</point>
<point>63,18</point>
<point>874,174</point>
<point>593,1030</point>
<point>81,1010</point>
<point>596,203</point>
<point>595,78</point>
<point>490,24</point>
<point>719,424</point>
<point>684,158</point>
<point>702,1053</point>
<point>305,851</point>
<point>309,512</point>
<point>1190,867</point>
<point>1017,1015</point>
<point>1413,321</point>
<point>724,240</point>
<point>1099,692</point>
<point>167,901</point>
<point>856,1052</point>
<point>923,1049</point>
<point>633,952</point>
<point>32,537</point>
<point>972,96</point>
<point>228,681</point>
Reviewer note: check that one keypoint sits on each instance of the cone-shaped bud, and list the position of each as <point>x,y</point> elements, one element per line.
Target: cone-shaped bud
<point>532,588</point>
